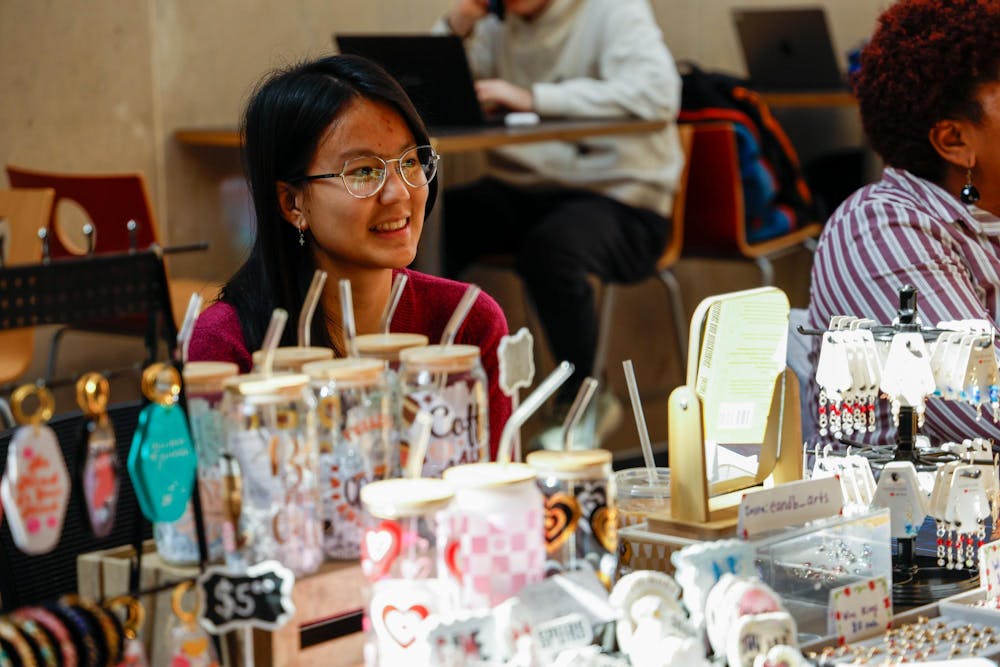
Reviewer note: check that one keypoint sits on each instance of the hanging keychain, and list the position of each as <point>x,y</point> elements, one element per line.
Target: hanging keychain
<point>134,653</point>
<point>98,451</point>
<point>35,487</point>
<point>162,461</point>
<point>190,644</point>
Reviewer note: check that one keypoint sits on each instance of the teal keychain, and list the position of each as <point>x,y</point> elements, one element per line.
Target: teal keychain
<point>162,460</point>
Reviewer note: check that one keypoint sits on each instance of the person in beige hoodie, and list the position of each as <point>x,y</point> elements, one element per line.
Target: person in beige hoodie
<point>566,210</point>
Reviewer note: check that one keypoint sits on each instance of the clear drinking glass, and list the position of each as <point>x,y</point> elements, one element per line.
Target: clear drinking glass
<point>357,444</point>
<point>580,522</point>
<point>448,382</point>
<point>271,452</point>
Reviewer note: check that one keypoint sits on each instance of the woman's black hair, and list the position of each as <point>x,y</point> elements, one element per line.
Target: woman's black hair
<point>284,122</point>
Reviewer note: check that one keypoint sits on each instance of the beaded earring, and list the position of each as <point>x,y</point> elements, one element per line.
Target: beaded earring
<point>302,235</point>
<point>969,195</point>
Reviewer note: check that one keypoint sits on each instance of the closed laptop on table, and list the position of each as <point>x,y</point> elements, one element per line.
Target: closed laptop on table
<point>788,49</point>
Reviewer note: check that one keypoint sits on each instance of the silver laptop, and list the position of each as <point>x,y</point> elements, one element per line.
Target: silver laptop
<point>788,49</point>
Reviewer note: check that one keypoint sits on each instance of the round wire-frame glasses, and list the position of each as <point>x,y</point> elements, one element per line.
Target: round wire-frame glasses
<point>365,176</point>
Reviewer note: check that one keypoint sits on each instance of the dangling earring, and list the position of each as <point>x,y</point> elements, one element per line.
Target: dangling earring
<point>302,236</point>
<point>970,195</point>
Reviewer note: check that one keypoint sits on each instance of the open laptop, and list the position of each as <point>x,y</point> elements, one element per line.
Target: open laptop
<point>433,71</point>
<point>788,49</point>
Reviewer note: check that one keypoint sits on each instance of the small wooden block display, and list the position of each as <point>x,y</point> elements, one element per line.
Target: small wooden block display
<point>335,590</point>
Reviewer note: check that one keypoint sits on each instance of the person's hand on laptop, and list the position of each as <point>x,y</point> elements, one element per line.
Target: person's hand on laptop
<point>496,94</point>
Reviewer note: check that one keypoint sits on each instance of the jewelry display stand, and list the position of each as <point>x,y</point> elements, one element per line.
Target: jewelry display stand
<point>699,509</point>
<point>917,580</point>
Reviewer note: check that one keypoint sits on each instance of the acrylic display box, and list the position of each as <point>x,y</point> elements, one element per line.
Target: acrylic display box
<point>801,563</point>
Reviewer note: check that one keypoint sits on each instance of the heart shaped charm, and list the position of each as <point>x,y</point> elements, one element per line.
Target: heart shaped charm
<point>379,548</point>
<point>402,624</point>
<point>562,513</point>
<point>602,523</point>
<point>452,554</point>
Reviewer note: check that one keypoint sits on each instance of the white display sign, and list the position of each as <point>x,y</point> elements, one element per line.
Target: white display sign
<point>788,504</point>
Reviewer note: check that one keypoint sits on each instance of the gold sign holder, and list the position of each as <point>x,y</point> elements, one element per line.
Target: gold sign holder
<point>703,510</point>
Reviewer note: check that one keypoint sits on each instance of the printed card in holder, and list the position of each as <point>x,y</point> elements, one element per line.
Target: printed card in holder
<point>860,610</point>
<point>789,504</point>
<point>989,569</point>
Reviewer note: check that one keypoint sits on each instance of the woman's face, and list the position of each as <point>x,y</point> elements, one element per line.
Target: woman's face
<point>378,232</point>
<point>985,141</point>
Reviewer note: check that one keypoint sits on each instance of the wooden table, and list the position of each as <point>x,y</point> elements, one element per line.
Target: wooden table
<point>810,99</point>
<point>465,139</point>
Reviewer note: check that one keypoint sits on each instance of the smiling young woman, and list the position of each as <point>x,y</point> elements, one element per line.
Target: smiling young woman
<point>342,176</point>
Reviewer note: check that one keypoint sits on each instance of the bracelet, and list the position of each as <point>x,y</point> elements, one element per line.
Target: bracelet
<point>74,621</point>
<point>109,629</point>
<point>50,622</point>
<point>22,649</point>
<point>5,652</point>
<point>37,636</point>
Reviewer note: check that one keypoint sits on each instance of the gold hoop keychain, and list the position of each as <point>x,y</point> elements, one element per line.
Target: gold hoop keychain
<point>99,474</point>
<point>162,460</point>
<point>134,654</point>
<point>35,489</point>
<point>191,645</point>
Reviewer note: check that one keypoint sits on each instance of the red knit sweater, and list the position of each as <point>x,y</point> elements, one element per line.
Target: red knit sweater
<point>425,307</point>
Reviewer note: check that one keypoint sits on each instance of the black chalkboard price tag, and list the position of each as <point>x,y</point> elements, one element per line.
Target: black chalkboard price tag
<point>260,597</point>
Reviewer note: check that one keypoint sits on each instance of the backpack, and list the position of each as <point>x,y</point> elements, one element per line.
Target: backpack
<point>776,197</point>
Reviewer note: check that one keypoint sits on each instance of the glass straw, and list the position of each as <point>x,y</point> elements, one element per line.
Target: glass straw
<point>461,311</point>
<point>418,449</point>
<point>398,283</point>
<point>640,420</point>
<point>187,327</point>
<point>530,406</point>
<point>576,411</point>
<point>309,307</point>
<point>347,318</point>
<point>272,338</point>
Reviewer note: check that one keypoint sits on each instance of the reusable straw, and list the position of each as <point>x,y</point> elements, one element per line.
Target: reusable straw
<point>271,339</point>
<point>418,449</point>
<point>187,327</point>
<point>398,283</point>
<point>530,406</point>
<point>347,317</point>
<point>575,414</point>
<point>461,311</point>
<point>309,307</point>
<point>640,420</point>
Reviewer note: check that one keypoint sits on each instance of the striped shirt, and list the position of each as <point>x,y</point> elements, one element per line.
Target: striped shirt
<point>906,230</point>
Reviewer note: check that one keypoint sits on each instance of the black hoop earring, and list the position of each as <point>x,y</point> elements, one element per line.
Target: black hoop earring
<point>970,195</point>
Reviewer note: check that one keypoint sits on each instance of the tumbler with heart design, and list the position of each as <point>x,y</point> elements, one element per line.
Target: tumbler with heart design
<point>580,524</point>
<point>407,590</point>
<point>499,541</point>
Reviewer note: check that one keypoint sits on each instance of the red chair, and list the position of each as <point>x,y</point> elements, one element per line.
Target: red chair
<point>110,201</point>
<point>715,225</point>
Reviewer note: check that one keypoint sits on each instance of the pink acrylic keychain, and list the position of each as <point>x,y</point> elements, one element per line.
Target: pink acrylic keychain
<point>35,486</point>
<point>98,451</point>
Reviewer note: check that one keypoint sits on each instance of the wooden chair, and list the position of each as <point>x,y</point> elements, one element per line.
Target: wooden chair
<point>22,213</point>
<point>110,201</point>
<point>714,216</point>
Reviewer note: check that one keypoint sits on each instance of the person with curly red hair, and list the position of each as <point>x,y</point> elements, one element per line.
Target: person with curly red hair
<point>929,93</point>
